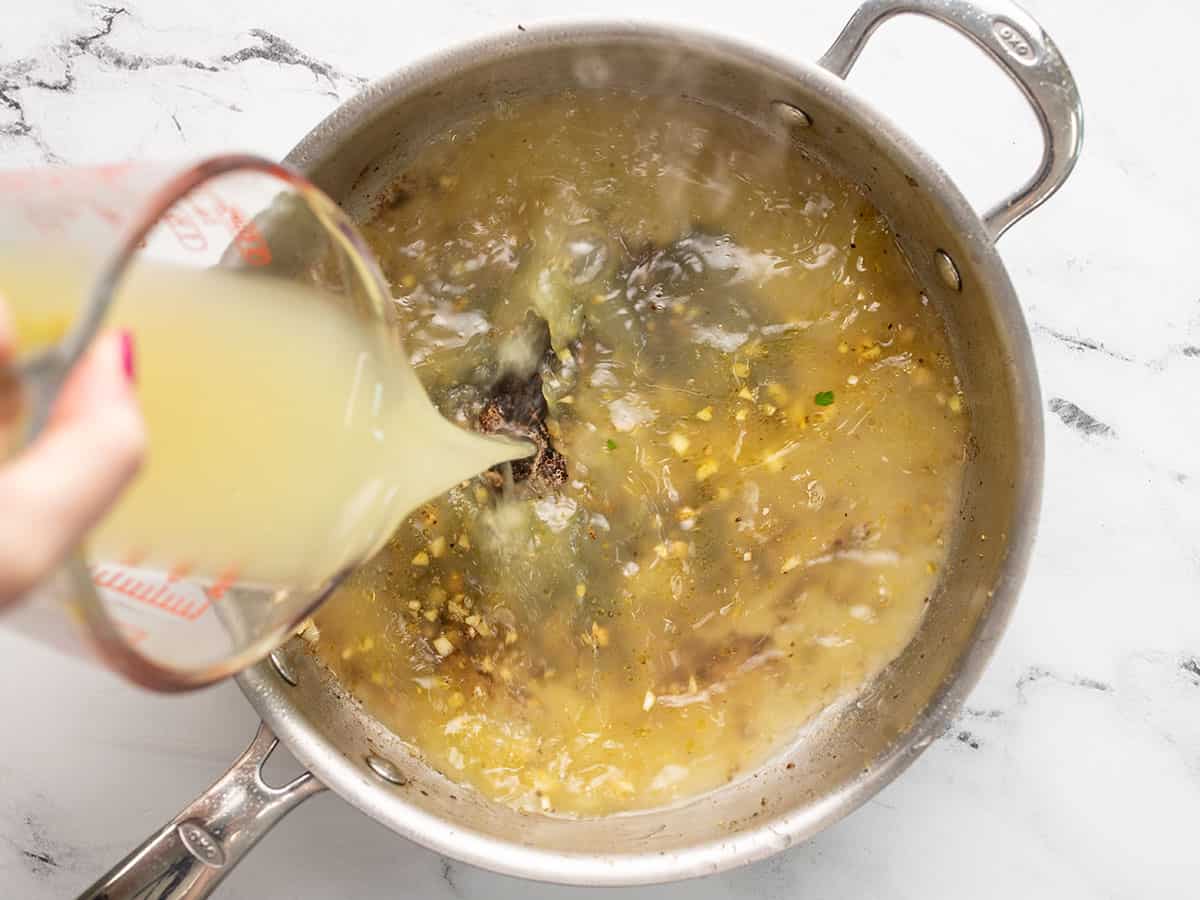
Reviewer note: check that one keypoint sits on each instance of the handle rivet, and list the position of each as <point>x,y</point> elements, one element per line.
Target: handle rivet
<point>947,270</point>
<point>792,116</point>
<point>385,769</point>
<point>283,667</point>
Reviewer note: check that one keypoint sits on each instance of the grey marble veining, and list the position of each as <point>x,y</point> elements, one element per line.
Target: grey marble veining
<point>1074,771</point>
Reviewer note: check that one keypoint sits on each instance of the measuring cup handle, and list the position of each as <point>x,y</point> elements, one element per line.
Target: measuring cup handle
<point>188,857</point>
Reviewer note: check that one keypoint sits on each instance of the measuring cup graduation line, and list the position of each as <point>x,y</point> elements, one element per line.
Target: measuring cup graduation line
<point>160,596</point>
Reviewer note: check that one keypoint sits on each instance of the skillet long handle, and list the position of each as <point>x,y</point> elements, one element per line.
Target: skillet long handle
<point>1012,38</point>
<point>189,856</point>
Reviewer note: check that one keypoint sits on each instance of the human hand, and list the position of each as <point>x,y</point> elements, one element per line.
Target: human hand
<point>57,488</point>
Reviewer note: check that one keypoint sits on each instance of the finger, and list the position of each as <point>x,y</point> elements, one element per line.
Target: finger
<point>10,390</point>
<point>104,378</point>
<point>7,335</point>
<point>63,483</point>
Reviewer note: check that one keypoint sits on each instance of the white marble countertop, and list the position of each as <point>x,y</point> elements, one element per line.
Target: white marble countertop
<point>1075,771</point>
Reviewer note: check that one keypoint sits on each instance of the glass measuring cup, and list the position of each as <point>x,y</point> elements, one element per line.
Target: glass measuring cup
<point>178,597</point>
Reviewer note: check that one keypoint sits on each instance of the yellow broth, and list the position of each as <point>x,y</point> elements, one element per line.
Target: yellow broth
<point>764,438</point>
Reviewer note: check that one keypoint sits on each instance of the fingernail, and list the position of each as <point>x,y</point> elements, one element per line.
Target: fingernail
<point>128,362</point>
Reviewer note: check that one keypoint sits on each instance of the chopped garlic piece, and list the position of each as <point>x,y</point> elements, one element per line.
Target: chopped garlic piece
<point>309,631</point>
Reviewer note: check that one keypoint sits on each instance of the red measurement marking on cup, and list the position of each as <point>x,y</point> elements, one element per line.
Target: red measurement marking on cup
<point>51,220</point>
<point>112,173</point>
<point>110,215</point>
<point>211,209</point>
<point>224,581</point>
<point>251,244</point>
<point>186,231</point>
<point>178,570</point>
<point>18,181</point>
<point>154,593</point>
<point>208,207</point>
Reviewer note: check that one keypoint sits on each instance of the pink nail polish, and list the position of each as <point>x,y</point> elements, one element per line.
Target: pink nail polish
<point>128,362</point>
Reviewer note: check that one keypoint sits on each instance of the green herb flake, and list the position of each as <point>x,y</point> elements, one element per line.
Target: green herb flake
<point>825,398</point>
<point>610,444</point>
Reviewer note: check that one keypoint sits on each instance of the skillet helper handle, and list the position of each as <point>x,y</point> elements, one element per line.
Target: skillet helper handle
<point>188,857</point>
<point>1011,37</point>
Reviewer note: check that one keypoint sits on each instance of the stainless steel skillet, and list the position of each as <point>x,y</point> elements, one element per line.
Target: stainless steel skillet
<point>848,754</point>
